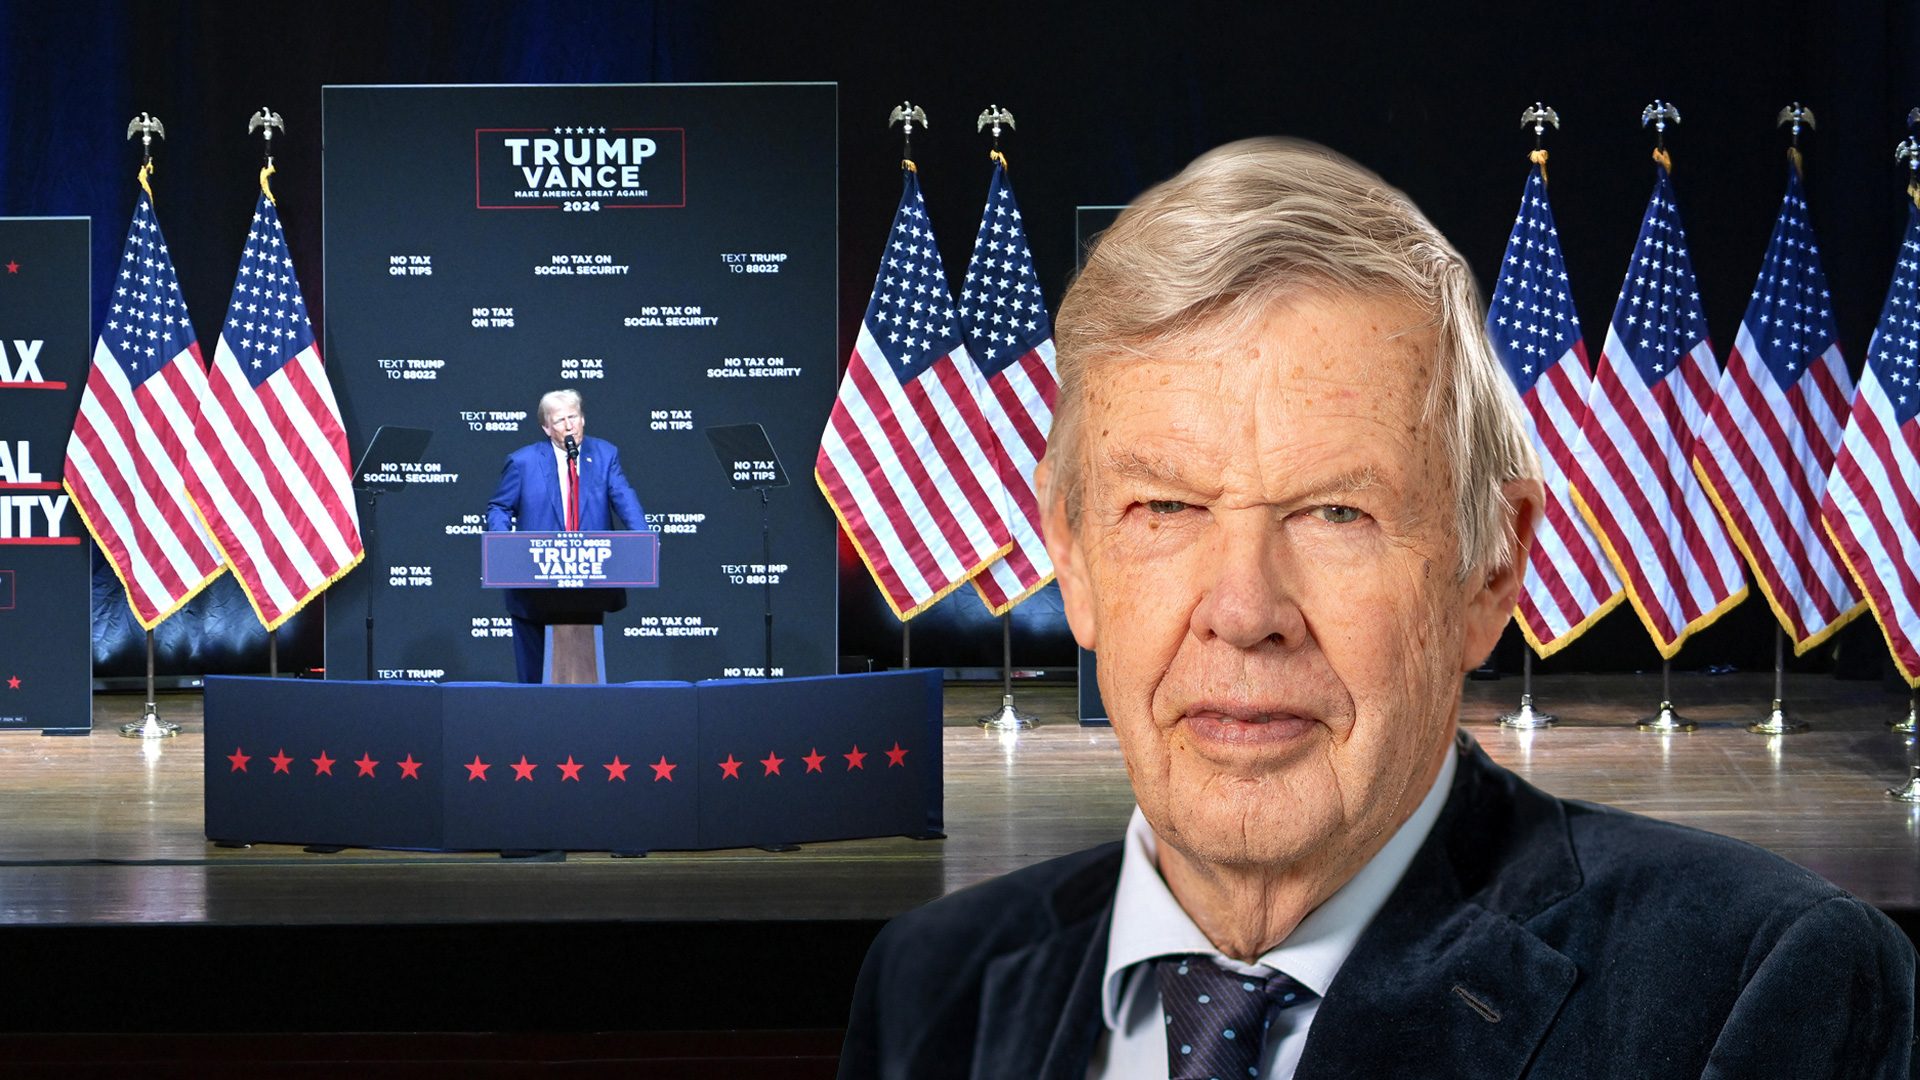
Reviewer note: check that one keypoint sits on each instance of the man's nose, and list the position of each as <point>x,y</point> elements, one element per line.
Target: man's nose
<point>1247,599</point>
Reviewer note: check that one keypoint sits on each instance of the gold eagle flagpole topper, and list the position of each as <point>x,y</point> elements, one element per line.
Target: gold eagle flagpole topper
<point>907,114</point>
<point>1537,118</point>
<point>146,127</point>
<point>995,116</point>
<point>1660,114</point>
<point>265,121</point>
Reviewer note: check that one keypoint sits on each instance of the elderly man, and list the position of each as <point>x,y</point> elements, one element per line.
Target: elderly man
<point>566,483</point>
<point>1289,498</point>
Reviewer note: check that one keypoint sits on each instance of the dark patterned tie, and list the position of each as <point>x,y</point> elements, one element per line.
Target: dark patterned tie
<point>1217,1021</point>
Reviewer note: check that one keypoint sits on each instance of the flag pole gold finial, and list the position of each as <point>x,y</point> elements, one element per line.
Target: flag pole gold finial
<point>1660,114</point>
<point>265,121</point>
<point>996,116</point>
<point>1537,118</point>
<point>1796,114</point>
<point>907,114</point>
<point>146,127</point>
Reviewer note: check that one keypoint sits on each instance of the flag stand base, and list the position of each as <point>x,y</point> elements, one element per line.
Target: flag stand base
<point>1911,725</point>
<point>150,726</point>
<point>1008,718</point>
<point>1666,721</point>
<point>1777,723</point>
<point>1526,717</point>
<point>1909,791</point>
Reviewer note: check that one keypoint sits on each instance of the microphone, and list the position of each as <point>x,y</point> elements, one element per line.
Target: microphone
<point>573,449</point>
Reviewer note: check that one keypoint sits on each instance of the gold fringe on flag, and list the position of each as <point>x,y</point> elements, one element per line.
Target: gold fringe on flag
<point>1665,159</point>
<point>1539,157</point>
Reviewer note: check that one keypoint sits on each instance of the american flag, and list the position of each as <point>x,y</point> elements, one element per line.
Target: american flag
<point>1872,505</point>
<point>270,472</point>
<point>1536,333</point>
<point>1774,428</point>
<point>1631,476</point>
<point>129,445</point>
<point>906,459</point>
<point>1010,336</point>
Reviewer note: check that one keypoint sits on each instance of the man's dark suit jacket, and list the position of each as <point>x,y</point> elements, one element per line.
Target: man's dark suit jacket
<point>528,498</point>
<point>1531,936</point>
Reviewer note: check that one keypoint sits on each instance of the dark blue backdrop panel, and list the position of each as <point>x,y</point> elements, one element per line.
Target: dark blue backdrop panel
<point>696,289</point>
<point>613,800</point>
<point>822,759</point>
<point>281,766</point>
<point>626,767</point>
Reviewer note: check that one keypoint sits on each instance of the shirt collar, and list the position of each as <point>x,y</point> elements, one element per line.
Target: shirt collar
<point>1148,922</point>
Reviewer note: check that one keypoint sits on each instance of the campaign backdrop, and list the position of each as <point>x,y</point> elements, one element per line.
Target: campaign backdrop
<point>45,314</point>
<point>668,251</point>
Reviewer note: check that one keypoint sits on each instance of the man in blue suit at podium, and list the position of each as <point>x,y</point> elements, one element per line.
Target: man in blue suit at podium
<point>569,483</point>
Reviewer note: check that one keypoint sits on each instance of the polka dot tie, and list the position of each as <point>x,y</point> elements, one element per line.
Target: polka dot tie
<point>1216,1020</point>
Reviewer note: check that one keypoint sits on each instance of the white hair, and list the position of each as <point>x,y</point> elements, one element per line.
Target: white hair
<point>1251,223</point>
<point>554,399</point>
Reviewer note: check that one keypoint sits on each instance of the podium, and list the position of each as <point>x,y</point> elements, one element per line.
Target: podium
<point>567,582</point>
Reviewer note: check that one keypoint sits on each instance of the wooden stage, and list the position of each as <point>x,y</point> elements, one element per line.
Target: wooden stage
<point>102,854</point>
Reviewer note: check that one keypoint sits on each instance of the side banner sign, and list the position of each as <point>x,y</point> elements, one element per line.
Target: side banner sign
<point>46,669</point>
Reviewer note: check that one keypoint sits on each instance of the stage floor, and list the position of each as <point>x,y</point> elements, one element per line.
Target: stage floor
<point>104,830</point>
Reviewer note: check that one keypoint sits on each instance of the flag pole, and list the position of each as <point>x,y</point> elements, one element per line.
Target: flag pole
<point>1006,717</point>
<point>1665,721</point>
<point>1526,717</point>
<point>149,726</point>
<point>1777,722</point>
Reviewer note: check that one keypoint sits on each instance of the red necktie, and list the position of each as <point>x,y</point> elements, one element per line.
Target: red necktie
<point>573,495</point>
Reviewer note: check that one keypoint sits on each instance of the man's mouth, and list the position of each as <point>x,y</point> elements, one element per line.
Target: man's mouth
<point>1228,726</point>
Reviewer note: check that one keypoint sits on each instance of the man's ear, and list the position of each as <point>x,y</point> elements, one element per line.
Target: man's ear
<point>1069,559</point>
<point>1489,608</point>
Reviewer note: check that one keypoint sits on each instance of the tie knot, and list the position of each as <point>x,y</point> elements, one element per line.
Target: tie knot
<point>1217,1020</point>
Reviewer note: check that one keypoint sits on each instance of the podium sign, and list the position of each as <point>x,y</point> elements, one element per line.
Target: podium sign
<point>570,560</point>
<point>46,659</point>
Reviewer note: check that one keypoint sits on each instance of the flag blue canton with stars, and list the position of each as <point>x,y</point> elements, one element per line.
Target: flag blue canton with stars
<point>1658,316</point>
<point>267,321</point>
<point>148,325</point>
<point>1000,303</point>
<point>911,313</point>
<point>1790,315</point>
<point>1531,320</point>
<point>1895,351</point>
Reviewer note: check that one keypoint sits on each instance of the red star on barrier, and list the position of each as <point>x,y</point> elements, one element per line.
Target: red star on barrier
<point>524,770</point>
<point>662,770</point>
<point>13,683</point>
<point>896,756</point>
<point>12,267</point>
<point>813,759</point>
<point>409,769</point>
<point>856,760</point>
<point>617,770</point>
<point>366,764</point>
<point>239,760</point>
<point>772,763</point>
<point>730,768</point>
<point>477,769</point>
<point>322,764</point>
<point>569,771</point>
<point>281,761</point>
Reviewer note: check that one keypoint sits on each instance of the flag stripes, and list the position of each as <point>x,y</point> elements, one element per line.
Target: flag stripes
<point>1775,428</point>
<point>1535,331</point>
<point>127,454</point>
<point>270,469</point>
<point>1011,338</point>
<point>907,459</point>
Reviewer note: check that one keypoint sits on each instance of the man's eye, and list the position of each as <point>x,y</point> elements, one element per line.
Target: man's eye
<point>1336,515</point>
<point>1165,506</point>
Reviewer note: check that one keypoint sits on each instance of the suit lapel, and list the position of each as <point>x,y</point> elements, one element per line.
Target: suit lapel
<point>1040,1005</point>
<point>1447,975</point>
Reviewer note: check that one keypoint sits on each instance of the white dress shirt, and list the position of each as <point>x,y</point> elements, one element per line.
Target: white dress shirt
<point>1148,923</point>
<point>566,492</point>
